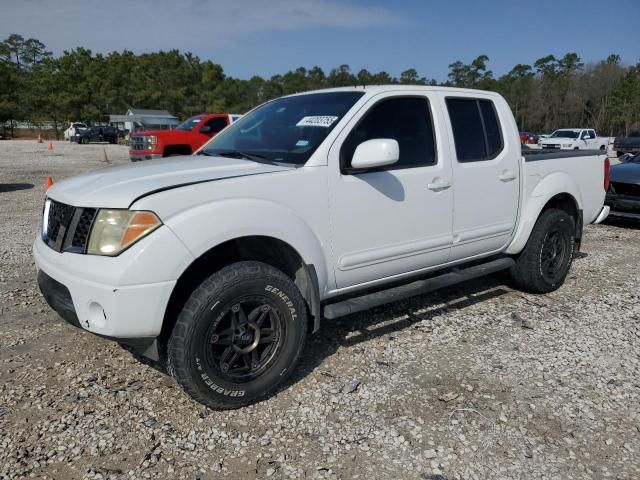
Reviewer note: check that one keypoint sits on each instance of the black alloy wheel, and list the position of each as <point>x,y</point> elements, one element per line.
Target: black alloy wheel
<point>555,249</point>
<point>246,339</point>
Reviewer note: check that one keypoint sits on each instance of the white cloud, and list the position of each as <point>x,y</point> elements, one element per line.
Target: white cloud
<point>198,25</point>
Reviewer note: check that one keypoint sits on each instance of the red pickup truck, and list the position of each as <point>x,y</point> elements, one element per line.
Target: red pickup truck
<point>185,139</point>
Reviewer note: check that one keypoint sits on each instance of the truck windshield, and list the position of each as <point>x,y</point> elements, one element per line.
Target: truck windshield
<point>189,123</point>
<point>564,134</point>
<point>286,130</point>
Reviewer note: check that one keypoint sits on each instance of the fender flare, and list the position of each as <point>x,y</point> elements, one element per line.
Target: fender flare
<point>556,183</point>
<point>244,217</point>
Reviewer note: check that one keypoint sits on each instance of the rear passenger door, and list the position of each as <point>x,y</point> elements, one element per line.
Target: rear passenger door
<point>485,175</point>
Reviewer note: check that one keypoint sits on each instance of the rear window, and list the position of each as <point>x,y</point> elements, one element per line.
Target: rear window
<point>476,129</point>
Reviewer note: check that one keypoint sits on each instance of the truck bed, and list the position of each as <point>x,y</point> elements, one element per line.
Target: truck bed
<point>550,154</point>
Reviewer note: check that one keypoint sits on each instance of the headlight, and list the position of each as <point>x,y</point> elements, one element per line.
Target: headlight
<point>114,231</point>
<point>152,141</point>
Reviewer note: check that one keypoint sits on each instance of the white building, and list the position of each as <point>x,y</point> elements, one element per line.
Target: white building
<point>140,119</point>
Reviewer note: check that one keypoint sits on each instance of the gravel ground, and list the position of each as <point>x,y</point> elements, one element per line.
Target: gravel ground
<point>476,381</point>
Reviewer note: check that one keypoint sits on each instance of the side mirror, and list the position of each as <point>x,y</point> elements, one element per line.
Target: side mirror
<point>206,129</point>
<point>378,152</point>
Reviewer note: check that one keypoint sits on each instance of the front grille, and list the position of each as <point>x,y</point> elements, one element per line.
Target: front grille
<point>68,227</point>
<point>551,145</point>
<point>58,222</point>
<point>625,189</point>
<point>138,143</point>
<point>81,233</point>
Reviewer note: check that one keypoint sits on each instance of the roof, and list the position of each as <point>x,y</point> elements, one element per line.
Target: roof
<point>145,119</point>
<point>155,113</point>
<point>400,88</point>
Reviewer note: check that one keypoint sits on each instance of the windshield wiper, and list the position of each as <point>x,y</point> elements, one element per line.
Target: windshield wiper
<point>244,155</point>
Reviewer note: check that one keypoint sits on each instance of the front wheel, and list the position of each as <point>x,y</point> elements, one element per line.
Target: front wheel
<point>545,261</point>
<point>239,336</point>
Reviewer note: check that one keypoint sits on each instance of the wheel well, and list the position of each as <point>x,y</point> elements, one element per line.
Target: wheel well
<point>176,150</point>
<point>566,202</point>
<point>269,250</point>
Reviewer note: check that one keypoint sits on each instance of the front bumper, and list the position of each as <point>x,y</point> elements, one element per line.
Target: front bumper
<point>626,148</point>
<point>137,156</point>
<point>117,297</point>
<point>59,298</point>
<point>555,146</point>
<point>623,206</point>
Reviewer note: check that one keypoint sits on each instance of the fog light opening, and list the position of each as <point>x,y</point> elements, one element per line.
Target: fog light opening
<point>97,315</point>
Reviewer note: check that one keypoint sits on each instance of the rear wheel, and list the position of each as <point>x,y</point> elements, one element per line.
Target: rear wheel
<point>239,336</point>
<point>545,261</point>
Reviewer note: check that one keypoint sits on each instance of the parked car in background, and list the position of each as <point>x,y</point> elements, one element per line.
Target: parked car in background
<point>75,127</point>
<point>185,139</point>
<point>575,139</point>
<point>311,206</point>
<point>97,134</point>
<point>623,196</point>
<point>528,137</point>
<point>627,144</point>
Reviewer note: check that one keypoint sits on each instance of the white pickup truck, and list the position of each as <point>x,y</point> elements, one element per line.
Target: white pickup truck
<point>575,139</point>
<point>311,206</point>
<point>74,127</point>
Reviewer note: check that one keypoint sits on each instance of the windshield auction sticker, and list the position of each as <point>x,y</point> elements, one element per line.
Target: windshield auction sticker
<point>324,121</point>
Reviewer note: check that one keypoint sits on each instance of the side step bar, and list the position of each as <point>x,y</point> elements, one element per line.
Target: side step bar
<point>419,287</point>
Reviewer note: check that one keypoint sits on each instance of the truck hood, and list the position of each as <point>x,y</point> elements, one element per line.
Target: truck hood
<point>626,173</point>
<point>558,139</point>
<point>120,186</point>
<point>167,136</point>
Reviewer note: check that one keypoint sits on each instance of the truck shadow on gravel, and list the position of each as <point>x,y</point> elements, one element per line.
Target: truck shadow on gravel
<point>14,187</point>
<point>353,330</point>
<point>359,328</point>
<point>623,223</point>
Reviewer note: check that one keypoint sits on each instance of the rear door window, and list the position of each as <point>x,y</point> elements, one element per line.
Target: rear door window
<point>476,129</point>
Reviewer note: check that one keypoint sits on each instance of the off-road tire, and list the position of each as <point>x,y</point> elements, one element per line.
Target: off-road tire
<point>528,273</point>
<point>189,350</point>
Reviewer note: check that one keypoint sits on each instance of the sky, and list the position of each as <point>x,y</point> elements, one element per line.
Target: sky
<point>267,37</point>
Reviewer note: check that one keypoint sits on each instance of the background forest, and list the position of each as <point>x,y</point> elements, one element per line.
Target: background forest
<point>37,87</point>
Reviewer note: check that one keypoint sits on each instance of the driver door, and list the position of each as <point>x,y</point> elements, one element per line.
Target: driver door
<point>396,219</point>
<point>589,142</point>
<point>212,126</point>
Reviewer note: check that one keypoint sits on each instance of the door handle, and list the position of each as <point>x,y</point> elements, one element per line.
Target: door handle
<point>438,185</point>
<point>507,176</point>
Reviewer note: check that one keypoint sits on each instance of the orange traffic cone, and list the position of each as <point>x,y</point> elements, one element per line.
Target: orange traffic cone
<point>48,183</point>
<point>39,138</point>
<point>50,147</point>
